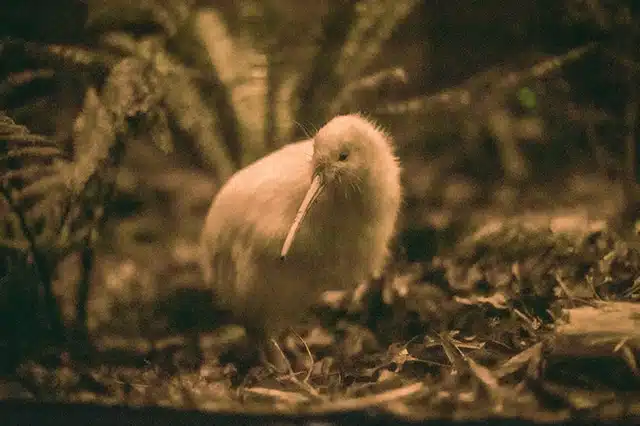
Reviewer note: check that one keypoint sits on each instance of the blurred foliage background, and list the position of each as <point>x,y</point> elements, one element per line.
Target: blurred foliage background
<point>121,119</point>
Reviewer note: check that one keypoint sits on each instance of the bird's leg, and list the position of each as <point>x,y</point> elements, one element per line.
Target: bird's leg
<point>242,353</point>
<point>368,298</point>
<point>269,353</point>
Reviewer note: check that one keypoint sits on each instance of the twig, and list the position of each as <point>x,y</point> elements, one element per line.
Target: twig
<point>284,357</point>
<point>290,397</point>
<point>291,376</point>
<point>311,361</point>
<point>362,403</point>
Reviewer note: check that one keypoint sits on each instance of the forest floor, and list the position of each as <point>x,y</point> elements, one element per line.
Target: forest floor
<point>527,313</point>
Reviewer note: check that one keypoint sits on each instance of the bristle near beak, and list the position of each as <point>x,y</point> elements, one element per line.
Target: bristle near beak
<point>314,190</point>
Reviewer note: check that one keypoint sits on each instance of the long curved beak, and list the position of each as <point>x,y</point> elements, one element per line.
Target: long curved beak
<point>314,190</point>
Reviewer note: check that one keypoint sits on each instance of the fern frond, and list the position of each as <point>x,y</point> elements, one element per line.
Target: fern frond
<point>321,83</point>
<point>25,173</point>
<point>375,22</point>
<point>135,90</point>
<point>23,227</point>
<point>12,132</point>
<point>37,151</point>
<point>62,56</point>
<point>167,14</point>
<point>476,87</point>
<point>554,63</point>
<point>34,147</point>
<point>19,79</point>
<point>185,103</point>
<point>159,131</point>
<point>177,90</point>
<point>366,84</point>
<point>94,137</point>
<point>26,138</point>
<point>39,187</point>
<point>33,187</point>
<point>242,70</point>
<point>122,42</point>
<point>130,90</point>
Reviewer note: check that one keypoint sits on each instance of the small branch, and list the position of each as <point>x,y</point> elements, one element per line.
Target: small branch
<point>354,404</point>
<point>288,397</point>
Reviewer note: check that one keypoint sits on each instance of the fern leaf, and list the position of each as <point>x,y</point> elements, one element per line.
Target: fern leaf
<point>40,188</point>
<point>25,173</point>
<point>462,96</point>
<point>94,136</point>
<point>12,132</point>
<point>178,91</point>
<point>32,147</point>
<point>375,22</point>
<point>242,70</point>
<point>191,113</point>
<point>19,79</point>
<point>122,42</point>
<point>347,98</point>
<point>27,138</point>
<point>135,90</point>
<point>167,14</point>
<point>159,131</point>
<point>549,65</point>
<point>36,151</point>
<point>63,56</point>
<point>48,210</point>
<point>130,90</point>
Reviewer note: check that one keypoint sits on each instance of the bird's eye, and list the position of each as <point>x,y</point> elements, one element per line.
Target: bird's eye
<point>343,156</point>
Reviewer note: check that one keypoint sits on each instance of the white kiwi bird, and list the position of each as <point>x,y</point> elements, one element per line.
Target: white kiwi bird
<point>312,216</point>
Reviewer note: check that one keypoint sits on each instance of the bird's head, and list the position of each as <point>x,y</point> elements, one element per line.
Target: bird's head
<point>351,156</point>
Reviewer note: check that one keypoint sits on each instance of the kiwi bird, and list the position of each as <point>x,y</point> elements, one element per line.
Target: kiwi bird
<point>312,216</point>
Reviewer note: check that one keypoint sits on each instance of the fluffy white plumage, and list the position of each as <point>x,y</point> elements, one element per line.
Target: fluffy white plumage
<point>341,242</point>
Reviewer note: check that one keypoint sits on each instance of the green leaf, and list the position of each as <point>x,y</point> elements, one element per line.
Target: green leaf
<point>527,98</point>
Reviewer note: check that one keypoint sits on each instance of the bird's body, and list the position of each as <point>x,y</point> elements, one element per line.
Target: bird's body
<point>341,241</point>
